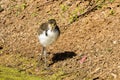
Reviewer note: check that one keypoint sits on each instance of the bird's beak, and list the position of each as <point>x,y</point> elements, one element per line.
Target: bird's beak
<point>52,27</point>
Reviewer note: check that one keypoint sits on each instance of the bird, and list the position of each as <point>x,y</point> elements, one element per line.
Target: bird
<point>48,33</point>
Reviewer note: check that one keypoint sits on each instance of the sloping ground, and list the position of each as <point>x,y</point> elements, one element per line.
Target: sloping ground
<point>13,74</point>
<point>94,37</point>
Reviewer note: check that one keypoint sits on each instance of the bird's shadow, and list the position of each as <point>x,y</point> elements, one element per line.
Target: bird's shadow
<point>62,56</point>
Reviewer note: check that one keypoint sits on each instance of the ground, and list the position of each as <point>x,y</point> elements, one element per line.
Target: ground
<point>87,49</point>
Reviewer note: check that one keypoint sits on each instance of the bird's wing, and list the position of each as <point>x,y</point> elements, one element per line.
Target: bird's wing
<point>43,27</point>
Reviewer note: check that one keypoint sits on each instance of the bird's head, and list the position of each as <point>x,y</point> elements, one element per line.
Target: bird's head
<point>52,24</point>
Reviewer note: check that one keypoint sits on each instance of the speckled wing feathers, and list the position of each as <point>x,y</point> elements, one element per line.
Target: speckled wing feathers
<point>43,27</point>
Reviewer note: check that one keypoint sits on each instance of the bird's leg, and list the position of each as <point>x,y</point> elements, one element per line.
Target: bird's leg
<point>45,58</point>
<point>41,57</point>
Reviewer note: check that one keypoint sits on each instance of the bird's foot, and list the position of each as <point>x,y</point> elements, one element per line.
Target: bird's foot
<point>46,68</point>
<point>40,62</point>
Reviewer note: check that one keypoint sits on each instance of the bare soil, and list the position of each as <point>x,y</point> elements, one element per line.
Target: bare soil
<point>94,37</point>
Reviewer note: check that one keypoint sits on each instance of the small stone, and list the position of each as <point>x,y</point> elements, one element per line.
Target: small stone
<point>114,75</point>
<point>114,42</point>
<point>1,9</point>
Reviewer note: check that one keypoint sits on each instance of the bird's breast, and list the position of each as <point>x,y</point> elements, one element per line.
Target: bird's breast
<point>49,38</point>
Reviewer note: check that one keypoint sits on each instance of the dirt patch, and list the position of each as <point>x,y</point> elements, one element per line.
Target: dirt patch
<point>95,35</point>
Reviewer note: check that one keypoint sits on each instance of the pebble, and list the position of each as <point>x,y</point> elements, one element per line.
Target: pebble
<point>114,42</point>
<point>1,9</point>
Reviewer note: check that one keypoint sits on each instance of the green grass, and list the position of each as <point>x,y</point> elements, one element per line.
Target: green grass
<point>74,15</point>
<point>57,76</point>
<point>19,8</point>
<point>112,12</point>
<point>7,73</point>
<point>13,74</point>
<point>111,1</point>
<point>64,7</point>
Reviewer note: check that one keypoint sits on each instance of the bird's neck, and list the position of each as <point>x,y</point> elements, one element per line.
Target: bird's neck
<point>50,28</point>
